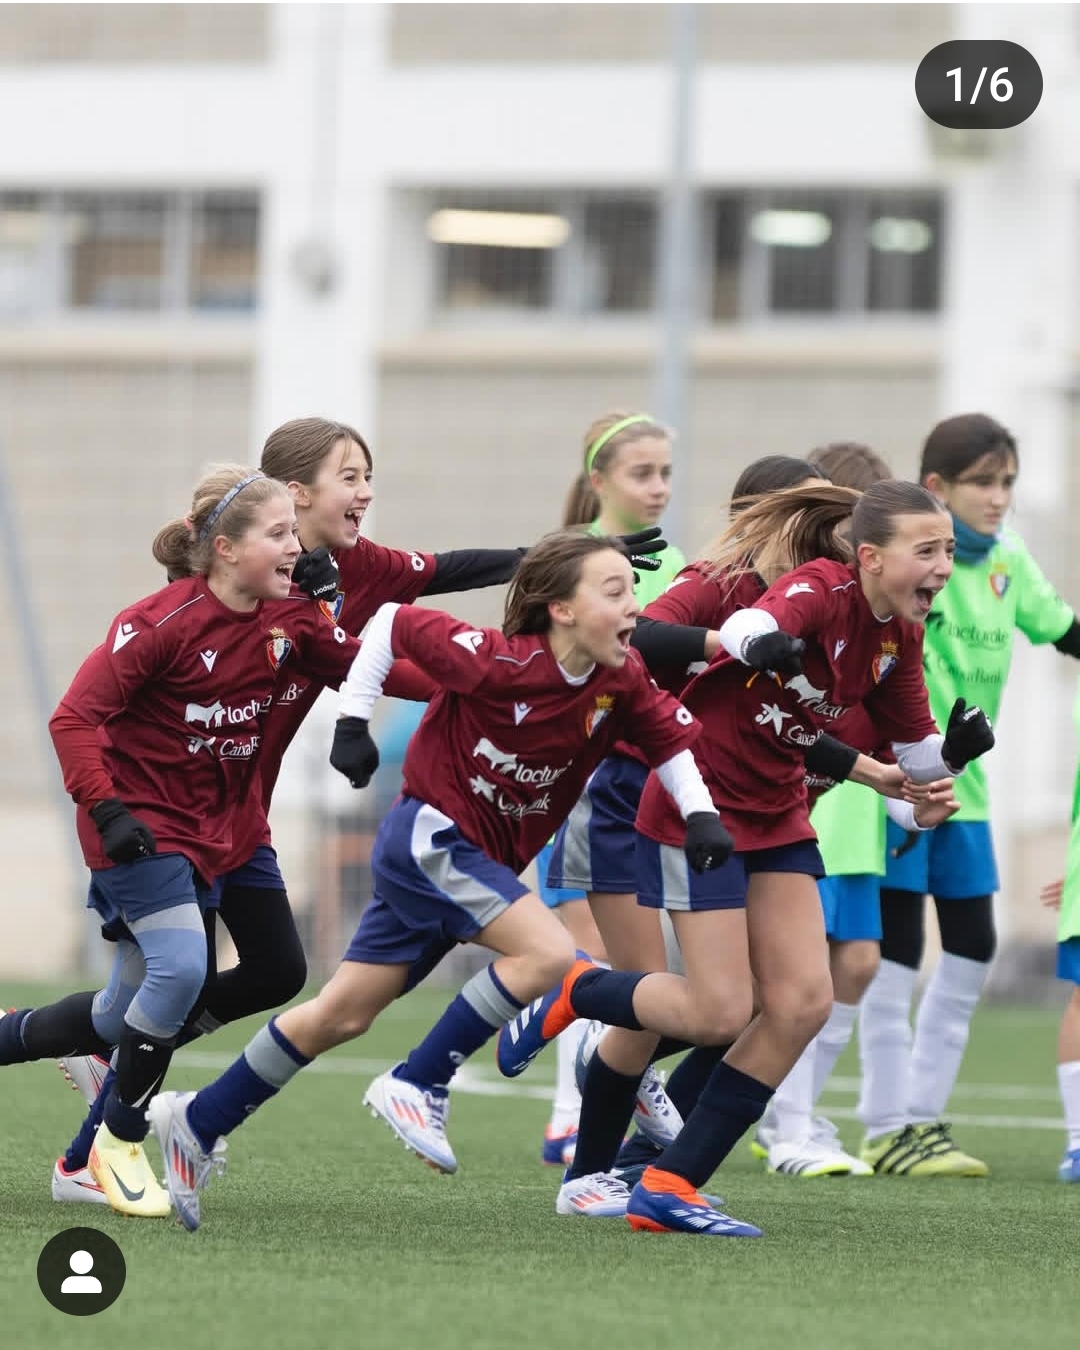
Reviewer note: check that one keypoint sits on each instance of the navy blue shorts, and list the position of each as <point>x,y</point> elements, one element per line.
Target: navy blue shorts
<point>130,891</point>
<point>667,881</point>
<point>594,848</point>
<point>433,889</point>
<point>261,872</point>
<point>852,906</point>
<point>954,861</point>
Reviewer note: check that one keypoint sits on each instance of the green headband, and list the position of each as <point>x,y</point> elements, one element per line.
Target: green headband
<point>605,436</point>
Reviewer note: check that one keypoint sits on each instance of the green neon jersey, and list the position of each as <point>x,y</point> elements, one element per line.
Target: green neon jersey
<point>1069,918</point>
<point>850,824</point>
<point>651,584</point>
<point>969,641</point>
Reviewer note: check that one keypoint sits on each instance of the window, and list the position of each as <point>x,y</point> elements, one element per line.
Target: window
<point>496,253</point>
<point>903,232</point>
<point>224,251</point>
<point>620,255</point>
<point>24,253</point>
<point>117,251</point>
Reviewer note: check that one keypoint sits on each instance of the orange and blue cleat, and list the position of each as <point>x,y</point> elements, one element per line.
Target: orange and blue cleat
<point>558,1147</point>
<point>539,1022</point>
<point>663,1202</point>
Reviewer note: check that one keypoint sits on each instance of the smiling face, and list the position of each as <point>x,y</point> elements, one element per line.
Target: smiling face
<point>635,488</point>
<point>259,564</point>
<point>979,496</point>
<point>330,508</point>
<point>903,576</point>
<point>594,626</point>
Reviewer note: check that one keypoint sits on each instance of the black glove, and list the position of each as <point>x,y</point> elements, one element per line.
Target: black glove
<point>708,843</point>
<point>316,573</point>
<point>968,735</point>
<point>353,752</point>
<point>640,547</point>
<point>777,651</point>
<point>123,836</point>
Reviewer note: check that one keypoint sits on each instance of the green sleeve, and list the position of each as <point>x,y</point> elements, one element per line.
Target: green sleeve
<point>1041,614</point>
<point>652,584</point>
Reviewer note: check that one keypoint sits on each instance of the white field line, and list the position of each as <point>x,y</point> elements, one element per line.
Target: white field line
<point>478,1082</point>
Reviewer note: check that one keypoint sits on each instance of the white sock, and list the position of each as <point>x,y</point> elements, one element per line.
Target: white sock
<point>1069,1083</point>
<point>831,1043</point>
<point>941,1034</point>
<point>885,1049</point>
<point>792,1101</point>
<point>566,1108</point>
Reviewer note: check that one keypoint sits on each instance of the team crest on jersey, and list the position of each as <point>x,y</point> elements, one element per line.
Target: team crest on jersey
<point>604,705</point>
<point>884,661</point>
<point>278,647</point>
<point>999,581</point>
<point>332,609</point>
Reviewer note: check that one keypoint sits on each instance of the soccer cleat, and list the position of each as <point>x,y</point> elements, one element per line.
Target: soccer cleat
<point>85,1073</point>
<point>597,1196</point>
<point>663,1202</point>
<point>77,1185</point>
<point>920,1151</point>
<point>122,1170</point>
<point>537,1024</point>
<point>655,1114</point>
<point>188,1167</point>
<point>416,1115</point>
<point>558,1149</point>
<point>1069,1167</point>
<point>820,1155</point>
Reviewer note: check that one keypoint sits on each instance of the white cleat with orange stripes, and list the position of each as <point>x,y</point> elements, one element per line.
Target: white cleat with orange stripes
<point>416,1115</point>
<point>597,1196</point>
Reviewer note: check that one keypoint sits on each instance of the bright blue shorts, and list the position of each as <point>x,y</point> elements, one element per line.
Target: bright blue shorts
<point>955,861</point>
<point>260,872</point>
<point>667,881</point>
<point>1068,960</point>
<point>552,896</point>
<point>852,906</point>
<point>594,849</point>
<point>433,889</point>
<point>131,891</point>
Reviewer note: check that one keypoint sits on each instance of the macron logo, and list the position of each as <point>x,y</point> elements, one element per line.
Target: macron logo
<point>798,588</point>
<point>470,640</point>
<point>208,659</point>
<point>841,643</point>
<point>124,634</point>
<point>521,711</point>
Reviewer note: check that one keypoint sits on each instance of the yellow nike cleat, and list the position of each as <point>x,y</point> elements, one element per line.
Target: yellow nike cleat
<point>920,1151</point>
<point>123,1172</point>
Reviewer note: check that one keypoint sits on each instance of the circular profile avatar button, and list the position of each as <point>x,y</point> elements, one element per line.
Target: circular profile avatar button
<point>81,1271</point>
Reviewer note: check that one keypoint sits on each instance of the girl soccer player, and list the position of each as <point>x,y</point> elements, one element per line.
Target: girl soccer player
<point>522,718</point>
<point>158,736</point>
<point>624,485</point>
<point>970,464</point>
<point>828,636</point>
<point>1064,895</point>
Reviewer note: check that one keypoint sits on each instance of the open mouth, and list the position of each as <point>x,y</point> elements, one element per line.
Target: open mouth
<point>353,519</point>
<point>924,597</point>
<point>285,571</point>
<point>622,637</point>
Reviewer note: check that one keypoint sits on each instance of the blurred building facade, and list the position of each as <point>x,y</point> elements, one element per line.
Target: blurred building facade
<point>440,223</point>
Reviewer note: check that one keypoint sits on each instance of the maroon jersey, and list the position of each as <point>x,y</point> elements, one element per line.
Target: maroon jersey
<point>369,576</point>
<point>505,749</point>
<point>756,727</point>
<point>700,598</point>
<point>168,714</point>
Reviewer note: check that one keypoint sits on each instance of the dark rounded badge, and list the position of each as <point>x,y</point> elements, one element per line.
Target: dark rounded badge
<point>978,85</point>
<point>81,1271</point>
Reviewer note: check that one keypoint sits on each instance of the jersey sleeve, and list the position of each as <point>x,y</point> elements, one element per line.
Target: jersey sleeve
<point>899,706</point>
<point>689,599</point>
<point>799,601</point>
<point>656,722</point>
<point>455,655</point>
<point>1041,614</point>
<point>380,574</point>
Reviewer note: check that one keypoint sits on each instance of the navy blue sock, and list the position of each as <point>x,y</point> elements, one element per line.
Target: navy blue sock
<point>670,1046</point>
<point>688,1078</point>
<point>607,1107</point>
<point>78,1154</point>
<point>637,1150</point>
<point>729,1104</point>
<point>476,1014</point>
<point>12,1050</point>
<point>267,1064</point>
<point>607,996</point>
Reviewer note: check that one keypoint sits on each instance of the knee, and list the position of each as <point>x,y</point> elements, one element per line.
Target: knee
<point>188,973</point>
<point>854,966</point>
<point>286,978</point>
<point>551,958</point>
<point>802,1003</point>
<point>721,1016</point>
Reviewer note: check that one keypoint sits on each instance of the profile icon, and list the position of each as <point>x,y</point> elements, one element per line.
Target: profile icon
<point>82,1282</point>
<point>81,1271</point>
